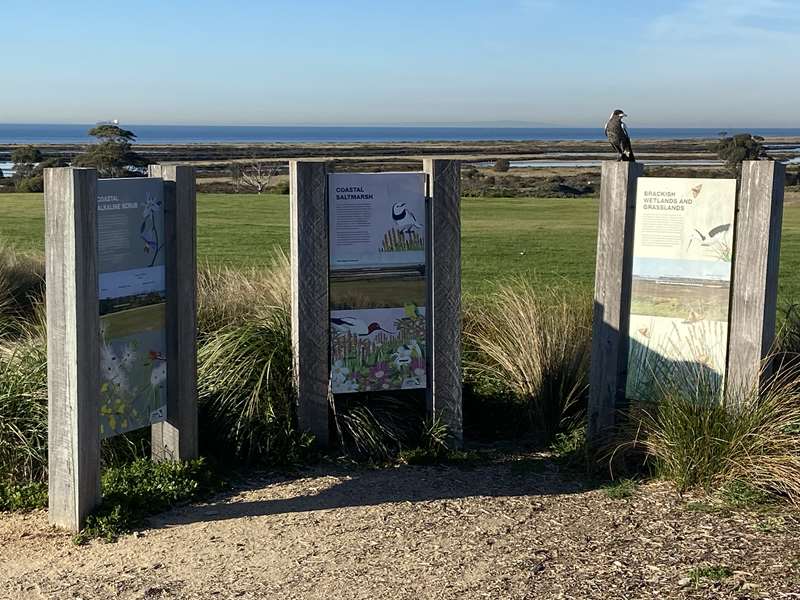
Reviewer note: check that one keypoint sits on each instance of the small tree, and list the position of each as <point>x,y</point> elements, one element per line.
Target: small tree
<point>25,160</point>
<point>113,155</point>
<point>502,165</point>
<point>258,175</point>
<point>738,148</point>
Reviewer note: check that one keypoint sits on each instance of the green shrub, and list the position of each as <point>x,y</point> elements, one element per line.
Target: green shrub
<point>501,165</point>
<point>30,185</point>
<point>142,488</point>
<point>22,498</point>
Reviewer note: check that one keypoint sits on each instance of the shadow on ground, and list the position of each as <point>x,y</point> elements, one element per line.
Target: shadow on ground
<point>326,488</point>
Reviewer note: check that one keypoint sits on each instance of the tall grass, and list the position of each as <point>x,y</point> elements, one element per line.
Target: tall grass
<point>245,364</point>
<point>697,439</point>
<point>21,289</point>
<point>533,343</point>
<point>23,403</point>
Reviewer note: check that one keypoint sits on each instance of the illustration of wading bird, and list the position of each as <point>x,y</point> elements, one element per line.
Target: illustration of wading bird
<point>356,327</point>
<point>617,134</point>
<point>714,237</point>
<point>404,219</point>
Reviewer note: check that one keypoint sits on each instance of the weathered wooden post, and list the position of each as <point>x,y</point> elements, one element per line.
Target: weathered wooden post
<point>176,438</point>
<point>755,274</point>
<point>121,323</point>
<point>612,293</point>
<point>444,393</point>
<point>310,305</point>
<point>73,326</point>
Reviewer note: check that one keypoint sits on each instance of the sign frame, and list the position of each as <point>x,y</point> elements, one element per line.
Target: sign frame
<point>753,287</point>
<point>310,265</point>
<point>73,335</point>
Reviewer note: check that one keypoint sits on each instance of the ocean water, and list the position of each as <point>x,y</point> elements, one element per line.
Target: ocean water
<point>199,134</point>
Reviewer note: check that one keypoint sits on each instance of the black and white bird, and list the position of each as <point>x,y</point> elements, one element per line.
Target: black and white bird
<point>404,219</point>
<point>617,134</point>
<point>715,236</point>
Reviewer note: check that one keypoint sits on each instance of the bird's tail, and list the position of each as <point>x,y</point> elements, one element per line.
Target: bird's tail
<point>630,157</point>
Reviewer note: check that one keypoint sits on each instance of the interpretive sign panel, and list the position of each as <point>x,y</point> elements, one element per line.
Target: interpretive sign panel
<point>680,293</point>
<point>376,220</point>
<point>132,293</point>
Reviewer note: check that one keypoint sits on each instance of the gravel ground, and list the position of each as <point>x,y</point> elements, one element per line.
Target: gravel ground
<point>510,530</point>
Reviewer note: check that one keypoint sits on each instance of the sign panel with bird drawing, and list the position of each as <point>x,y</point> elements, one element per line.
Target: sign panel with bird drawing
<point>376,220</point>
<point>132,292</point>
<point>682,253</point>
<point>378,349</point>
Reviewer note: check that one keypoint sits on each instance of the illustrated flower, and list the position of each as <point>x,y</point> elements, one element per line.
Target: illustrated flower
<point>416,351</point>
<point>343,387</point>
<point>379,371</point>
<point>128,356</point>
<point>111,368</point>
<point>339,372</point>
<point>159,373</point>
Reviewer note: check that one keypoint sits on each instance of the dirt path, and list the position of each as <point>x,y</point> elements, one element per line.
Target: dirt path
<point>518,530</point>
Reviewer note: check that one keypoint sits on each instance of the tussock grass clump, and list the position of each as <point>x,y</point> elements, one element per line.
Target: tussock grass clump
<point>23,403</point>
<point>534,343</point>
<point>21,289</point>
<point>233,296</point>
<point>697,439</point>
<point>245,364</point>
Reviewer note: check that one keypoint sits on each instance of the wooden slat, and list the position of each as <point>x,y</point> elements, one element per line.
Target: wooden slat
<point>310,307</point>
<point>177,437</point>
<point>73,345</point>
<point>755,274</point>
<point>444,394</point>
<point>612,291</point>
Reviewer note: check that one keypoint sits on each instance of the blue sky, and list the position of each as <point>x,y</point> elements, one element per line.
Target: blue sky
<point>705,63</point>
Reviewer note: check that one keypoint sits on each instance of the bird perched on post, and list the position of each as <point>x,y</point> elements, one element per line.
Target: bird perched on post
<point>617,134</point>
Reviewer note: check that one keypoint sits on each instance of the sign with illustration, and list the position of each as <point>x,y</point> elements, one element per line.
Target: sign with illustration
<point>132,293</point>
<point>376,220</point>
<point>378,349</point>
<point>682,253</point>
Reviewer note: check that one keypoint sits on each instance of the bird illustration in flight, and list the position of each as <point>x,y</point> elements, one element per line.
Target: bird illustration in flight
<point>355,327</point>
<point>617,134</point>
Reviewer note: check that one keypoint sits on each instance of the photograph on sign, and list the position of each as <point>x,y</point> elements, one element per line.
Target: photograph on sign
<point>376,220</point>
<point>683,239</point>
<point>132,294</point>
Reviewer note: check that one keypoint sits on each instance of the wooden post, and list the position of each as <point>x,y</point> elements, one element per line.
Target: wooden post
<point>754,280</point>
<point>444,393</point>
<point>176,438</point>
<point>310,305</point>
<point>612,296</point>
<point>73,345</point>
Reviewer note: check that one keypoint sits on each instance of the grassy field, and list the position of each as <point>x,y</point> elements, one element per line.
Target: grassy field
<point>551,240</point>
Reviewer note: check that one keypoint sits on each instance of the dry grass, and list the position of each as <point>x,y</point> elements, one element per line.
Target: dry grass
<point>534,342</point>
<point>696,440</point>
<point>229,296</point>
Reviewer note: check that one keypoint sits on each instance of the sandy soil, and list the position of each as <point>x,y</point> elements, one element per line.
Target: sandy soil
<point>509,530</point>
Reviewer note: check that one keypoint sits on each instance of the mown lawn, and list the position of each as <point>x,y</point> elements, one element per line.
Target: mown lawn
<point>552,240</point>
